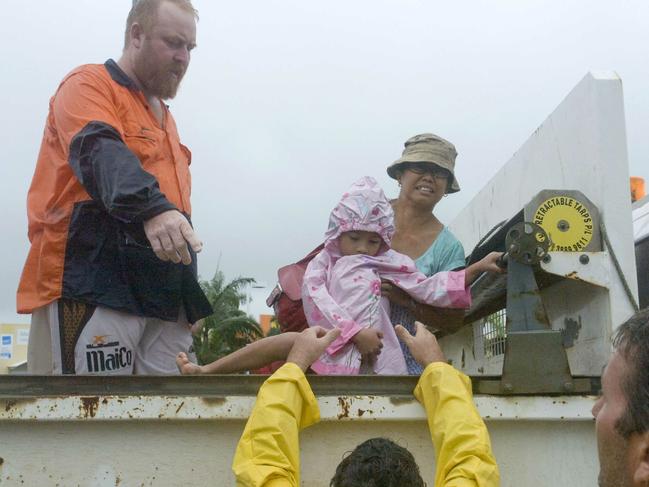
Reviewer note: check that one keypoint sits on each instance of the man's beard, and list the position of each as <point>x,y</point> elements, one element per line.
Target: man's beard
<point>158,80</point>
<point>163,84</point>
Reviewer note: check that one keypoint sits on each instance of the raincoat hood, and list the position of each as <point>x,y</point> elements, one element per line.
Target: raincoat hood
<point>363,207</point>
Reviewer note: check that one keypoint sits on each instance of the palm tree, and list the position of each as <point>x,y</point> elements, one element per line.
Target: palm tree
<point>228,328</point>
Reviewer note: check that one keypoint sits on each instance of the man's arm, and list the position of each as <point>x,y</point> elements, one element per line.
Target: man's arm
<point>91,131</point>
<point>462,446</point>
<point>461,439</point>
<point>89,127</point>
<point>268,453</point>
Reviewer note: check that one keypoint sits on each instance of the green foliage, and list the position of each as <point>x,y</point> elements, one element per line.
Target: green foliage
<point>229,328</point>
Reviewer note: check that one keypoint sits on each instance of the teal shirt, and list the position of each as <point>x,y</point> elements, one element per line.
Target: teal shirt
<point>445,254</point>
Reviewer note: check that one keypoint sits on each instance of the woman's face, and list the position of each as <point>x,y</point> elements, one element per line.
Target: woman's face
<point>423,184</point>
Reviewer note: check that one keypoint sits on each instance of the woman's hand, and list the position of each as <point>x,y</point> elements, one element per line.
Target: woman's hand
<point>369,342</point>
<point>490,263</point>
<point>395,294</point>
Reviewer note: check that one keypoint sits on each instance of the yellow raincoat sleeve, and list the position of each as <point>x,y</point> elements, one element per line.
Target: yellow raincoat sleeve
<point>462,446</point>
<point>268,453</point>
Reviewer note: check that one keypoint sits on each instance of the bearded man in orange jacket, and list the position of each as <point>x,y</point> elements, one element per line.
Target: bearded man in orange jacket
<point>110,278</point>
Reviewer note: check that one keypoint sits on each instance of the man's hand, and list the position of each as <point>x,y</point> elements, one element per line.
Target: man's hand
<point>168,233</point>
<point>423,345</point>
<point>310,344</point>
<point>369,342</point>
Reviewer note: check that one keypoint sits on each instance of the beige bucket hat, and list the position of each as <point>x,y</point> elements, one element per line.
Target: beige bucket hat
<point>428,148</point>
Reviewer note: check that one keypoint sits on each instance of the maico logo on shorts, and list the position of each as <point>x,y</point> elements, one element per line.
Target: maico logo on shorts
<point>104,356</point>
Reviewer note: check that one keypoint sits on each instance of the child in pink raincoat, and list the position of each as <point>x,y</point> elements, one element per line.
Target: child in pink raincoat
<point>342,284</point>
<point>342,288</point>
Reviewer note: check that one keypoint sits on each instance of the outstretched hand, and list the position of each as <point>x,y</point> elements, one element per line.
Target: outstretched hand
<point>310,345</point>
<point>169,233</point>
<point>423,345</point>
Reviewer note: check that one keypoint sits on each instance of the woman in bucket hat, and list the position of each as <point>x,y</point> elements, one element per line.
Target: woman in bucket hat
<point>425,173</point>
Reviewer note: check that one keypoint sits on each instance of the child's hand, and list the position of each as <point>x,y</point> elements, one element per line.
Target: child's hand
<point>369,342</point>
<point>423,345</point>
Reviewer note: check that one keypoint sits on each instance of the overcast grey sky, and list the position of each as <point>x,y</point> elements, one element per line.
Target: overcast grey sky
<point>286,103</point>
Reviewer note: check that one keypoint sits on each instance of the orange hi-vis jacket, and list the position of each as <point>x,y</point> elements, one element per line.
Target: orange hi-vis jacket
<point>105,166</point>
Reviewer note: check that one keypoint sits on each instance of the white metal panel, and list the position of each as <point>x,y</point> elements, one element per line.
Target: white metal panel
<point>238,408</point>
<point>580,146</point>
<point>181,441</point>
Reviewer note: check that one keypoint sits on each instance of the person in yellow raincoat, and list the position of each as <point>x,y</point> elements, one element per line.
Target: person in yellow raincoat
<point>268,453</point>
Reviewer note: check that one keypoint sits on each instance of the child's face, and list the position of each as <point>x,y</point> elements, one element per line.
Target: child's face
<point>360,242</point>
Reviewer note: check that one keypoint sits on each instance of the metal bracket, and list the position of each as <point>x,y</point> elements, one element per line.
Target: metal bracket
<point>591,267</point>
<point>535,360</point>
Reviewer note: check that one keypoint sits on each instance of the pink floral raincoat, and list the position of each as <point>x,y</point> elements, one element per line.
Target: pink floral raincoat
<point>345,291</point>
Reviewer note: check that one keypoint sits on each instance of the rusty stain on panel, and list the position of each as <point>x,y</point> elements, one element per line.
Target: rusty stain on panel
<point>344,404</point>
<point>576,277</point>
<point>89,406</point>
<point>13,406</point>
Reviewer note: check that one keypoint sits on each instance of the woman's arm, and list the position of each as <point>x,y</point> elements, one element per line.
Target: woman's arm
<point>446,320</point>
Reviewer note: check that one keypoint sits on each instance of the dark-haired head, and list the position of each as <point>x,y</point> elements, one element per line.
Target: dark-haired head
<point>378,462</point>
